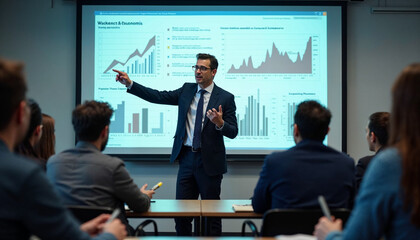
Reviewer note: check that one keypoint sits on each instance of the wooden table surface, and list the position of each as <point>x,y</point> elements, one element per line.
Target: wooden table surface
<point>164,208</point>
<point>223,208</point>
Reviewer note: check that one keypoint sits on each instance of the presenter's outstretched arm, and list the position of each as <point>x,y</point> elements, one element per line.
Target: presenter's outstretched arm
<point>122,77</point>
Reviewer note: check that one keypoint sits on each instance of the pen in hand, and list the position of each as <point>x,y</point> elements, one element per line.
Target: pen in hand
<point>113,215</point>
<point>324,207</point>
<point>157,186</point>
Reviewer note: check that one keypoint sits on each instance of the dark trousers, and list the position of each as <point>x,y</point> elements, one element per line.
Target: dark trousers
<point>193,181</point>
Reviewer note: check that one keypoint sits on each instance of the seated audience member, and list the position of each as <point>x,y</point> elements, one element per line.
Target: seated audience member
<point>388,203</point>
<point>29,205</point>
<point>296,177</point>
<point>46,145</point>
<point>34,132</point>
<point>377,138</point>
<point>85,176</point>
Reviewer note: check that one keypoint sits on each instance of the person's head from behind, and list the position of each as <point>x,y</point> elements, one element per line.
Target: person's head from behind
<point>311,121</point>
<point>34,132</point>
<point>377,130</point>
<point>14,117</point>
<point>205,69</point>
<point>46,145</point>
<point>91,122</point>
<point>405,135</point>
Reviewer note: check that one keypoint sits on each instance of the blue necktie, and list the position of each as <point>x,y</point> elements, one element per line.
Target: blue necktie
<point>198,120</point>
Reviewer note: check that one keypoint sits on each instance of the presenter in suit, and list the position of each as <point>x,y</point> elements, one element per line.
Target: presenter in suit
<point>198,142</point>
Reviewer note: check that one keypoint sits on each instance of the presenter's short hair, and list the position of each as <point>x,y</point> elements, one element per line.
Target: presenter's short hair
<point>379,124</point>
<point>213,61</point>
<point>12,89</point>
<point>312,120</point>
<point>90,118</point>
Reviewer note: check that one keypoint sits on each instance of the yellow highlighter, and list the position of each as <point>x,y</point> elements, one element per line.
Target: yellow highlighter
<point>157,186</point>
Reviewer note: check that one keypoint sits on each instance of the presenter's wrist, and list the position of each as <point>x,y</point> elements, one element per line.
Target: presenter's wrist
<point>129,84</point>
<point>220,126</point>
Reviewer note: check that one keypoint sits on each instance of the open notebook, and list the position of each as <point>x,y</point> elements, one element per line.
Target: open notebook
<point>296,237</point>
<point>242,208</point>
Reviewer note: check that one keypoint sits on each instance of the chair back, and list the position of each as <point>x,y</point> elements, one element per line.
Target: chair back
<point>86,213</point>
<point>294,221</point>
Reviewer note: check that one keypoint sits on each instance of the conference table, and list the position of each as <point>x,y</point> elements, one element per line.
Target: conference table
<point>165,208</point>
<point>223,209</point>
<point>200,210</point>
<point>169,208</point>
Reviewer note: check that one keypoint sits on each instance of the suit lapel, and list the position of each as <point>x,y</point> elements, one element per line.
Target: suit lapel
<point>189,98</point>
<point>212,102</point>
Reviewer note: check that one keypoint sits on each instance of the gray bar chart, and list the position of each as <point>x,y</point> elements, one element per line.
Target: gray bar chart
<point>117,125</point>
<point>254,122</point>
<point>291,110</point>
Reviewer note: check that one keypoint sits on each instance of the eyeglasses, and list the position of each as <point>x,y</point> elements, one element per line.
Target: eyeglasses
<point>202,68</point>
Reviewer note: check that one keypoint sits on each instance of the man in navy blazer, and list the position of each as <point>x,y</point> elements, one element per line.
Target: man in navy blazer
<point>296,177</point>
<point>377,138</point>
<point>201,155</point>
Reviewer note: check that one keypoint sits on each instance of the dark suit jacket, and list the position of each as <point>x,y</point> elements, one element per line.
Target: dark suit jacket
<point>361,167</point>
<point>29,204</point>
<point>213,152</point>
<point>296,177</point>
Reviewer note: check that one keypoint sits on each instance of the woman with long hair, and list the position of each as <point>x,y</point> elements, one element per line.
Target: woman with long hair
<point>34,132</point>
<point>388,203</point>
<point>45,148</point>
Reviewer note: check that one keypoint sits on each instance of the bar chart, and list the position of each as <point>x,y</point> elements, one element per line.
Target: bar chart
<point>137,62</point>
<point>254,122</point>
<point>138,124</point>
<point>145,67</point>
<point>291,110</point>
<point>117,125</point>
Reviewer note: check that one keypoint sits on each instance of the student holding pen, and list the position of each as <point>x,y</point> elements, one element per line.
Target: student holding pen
<point>388,203</point>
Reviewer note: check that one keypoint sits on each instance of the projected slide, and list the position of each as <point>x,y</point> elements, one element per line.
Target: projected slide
<point>269,60</point>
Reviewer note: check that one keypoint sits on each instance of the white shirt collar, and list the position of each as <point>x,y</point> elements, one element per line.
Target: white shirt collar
<point>209,89</point>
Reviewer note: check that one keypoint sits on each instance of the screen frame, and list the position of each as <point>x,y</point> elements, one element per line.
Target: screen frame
<point>229,157</point>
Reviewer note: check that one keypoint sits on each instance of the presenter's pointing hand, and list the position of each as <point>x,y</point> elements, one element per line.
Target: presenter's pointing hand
<point>122,77</point>
<point>215,116</point>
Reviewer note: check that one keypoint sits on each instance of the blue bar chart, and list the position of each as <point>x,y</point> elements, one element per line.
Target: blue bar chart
<point>117,125</point>
<point>146,66</point>
<point>137,62</point>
